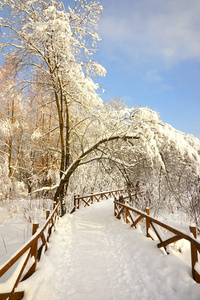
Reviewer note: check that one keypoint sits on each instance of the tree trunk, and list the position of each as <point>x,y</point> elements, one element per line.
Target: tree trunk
<point>62,201</point>
<point>65,148</point>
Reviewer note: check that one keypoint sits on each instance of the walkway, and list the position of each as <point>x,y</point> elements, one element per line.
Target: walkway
<point>93,256</point>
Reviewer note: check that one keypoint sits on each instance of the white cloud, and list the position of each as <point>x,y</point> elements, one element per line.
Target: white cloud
<point>152,75</point>
<point>166,30</point>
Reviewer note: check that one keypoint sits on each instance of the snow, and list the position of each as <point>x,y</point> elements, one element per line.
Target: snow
<point>8,285</point>
<point>197,267</point>
<point>16,218</point>
<point>92,255</point>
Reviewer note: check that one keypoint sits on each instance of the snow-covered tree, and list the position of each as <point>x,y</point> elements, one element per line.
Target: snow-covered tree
<point>55,48</point>
<point>5,183</point>
<point>164,161</point>
<point>11,116</point>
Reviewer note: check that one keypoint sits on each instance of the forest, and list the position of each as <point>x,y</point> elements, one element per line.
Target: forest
<point>58,137</point>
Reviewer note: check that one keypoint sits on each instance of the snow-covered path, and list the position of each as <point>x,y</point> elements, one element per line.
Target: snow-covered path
<point>93,256</point>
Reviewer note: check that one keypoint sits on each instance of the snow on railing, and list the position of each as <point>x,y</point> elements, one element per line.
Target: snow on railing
<point>127,212</point>
<point>27,257</point>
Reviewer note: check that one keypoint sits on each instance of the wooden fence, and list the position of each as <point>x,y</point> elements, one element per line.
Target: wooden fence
<point>31,252</point>
<point>90,199</point>
<point>28,256</point>
<point>128,213</point>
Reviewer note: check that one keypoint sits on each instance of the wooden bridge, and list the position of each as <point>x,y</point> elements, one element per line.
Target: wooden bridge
<point>28,256</point>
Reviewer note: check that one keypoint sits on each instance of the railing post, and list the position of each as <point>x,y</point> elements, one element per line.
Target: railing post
<point>115,207</point>
<point>49,230</point>
<point>130,198</point>
<point>147,222</point>
<point>92,200</point>
<point>194,255</point>
<point>35,228</point>
<point>74,202</point>
<point>127,213</point>
<point>121,199</point>
<point>54,218</point>
<point>35,246</point>
<point>47,214</point>
<point>78,202</point>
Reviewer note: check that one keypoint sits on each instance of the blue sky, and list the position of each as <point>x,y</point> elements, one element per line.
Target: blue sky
<point>151,51</point>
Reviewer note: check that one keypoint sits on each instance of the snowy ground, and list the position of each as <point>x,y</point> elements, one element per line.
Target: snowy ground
<point>16,218</point>
<point>92,255</point>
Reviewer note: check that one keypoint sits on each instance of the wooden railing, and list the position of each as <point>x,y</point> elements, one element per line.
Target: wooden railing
<point>27,257</point>
<point>90,199</point>
<point>126,212</point>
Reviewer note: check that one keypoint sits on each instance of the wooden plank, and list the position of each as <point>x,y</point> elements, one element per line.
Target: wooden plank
<point>90,200</point>
<point>40,252</point>
<point>119,212</point>
<point>73,210</point>
<point>118,206</point>
<point>131,217</point>
<point>14,259</point>
<point>85,202</point>
<point>49,232</point>
<point>74,203</point>
<point>29,273</point>
<point>95,196</point>
<point>117,209</point>
<point>31,247</point>
<point>127,216</point>
<point>148,224</point>
<point>20,273</point>
<point>15,296</point>
<point>44,241</point>
<point>194,256</point>
<point>47,214</point>
<point>53,223</point>
<point>164,225</point>
<point>137,221</point>
<point>169,241</point>
<point>159,237</point>
<point>195,245</point>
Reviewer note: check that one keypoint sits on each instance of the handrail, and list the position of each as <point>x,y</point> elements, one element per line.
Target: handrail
<point>96,196</point>
<point>35,251</point>
<point>121,208</point>
<point>102,193</point>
